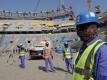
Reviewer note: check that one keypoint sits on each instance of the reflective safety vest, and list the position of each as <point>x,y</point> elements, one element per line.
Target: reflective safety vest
<point>68,53</point>
<point>84,67</point>
<point>47,53</point>
<point>22,53</point>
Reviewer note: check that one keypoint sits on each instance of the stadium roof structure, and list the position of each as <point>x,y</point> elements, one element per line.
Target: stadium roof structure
<point>47,15</point>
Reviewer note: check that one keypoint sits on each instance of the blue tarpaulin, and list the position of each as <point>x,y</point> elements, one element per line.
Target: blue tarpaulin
<point>65,39</point>
<point>59,50</point>
<point>3,42</point>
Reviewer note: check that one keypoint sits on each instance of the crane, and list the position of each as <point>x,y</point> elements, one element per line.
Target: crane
<point>89,3</point>
<point>62,4</point>
<point>37,5</point>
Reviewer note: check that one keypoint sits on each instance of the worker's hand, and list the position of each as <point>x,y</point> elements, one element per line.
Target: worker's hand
<point>63,59</point>
<point>13,42</point>
<point>52,57</point>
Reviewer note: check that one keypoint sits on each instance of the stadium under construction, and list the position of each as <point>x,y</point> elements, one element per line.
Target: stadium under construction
<point>31,30</point>
<point>54,25</point>
<point>34,27</point>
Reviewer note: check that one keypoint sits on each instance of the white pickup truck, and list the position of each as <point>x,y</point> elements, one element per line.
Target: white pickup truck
<point>36,51</point>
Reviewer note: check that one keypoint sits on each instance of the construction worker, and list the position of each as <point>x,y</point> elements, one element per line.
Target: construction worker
<point>22,52</point>
<point>67,56</point>
<point>47,55</point>
<point>91,61</point>
<point>11,59</point>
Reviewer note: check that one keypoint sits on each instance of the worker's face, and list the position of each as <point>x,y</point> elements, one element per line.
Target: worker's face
<point>87,33</point>
<point>66,45</point>
<point>46,44</point>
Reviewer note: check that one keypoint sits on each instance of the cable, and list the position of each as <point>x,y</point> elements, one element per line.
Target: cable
<point>37,5</point>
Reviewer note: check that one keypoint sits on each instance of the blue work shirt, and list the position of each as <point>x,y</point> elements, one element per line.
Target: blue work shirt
<point>100,67</point>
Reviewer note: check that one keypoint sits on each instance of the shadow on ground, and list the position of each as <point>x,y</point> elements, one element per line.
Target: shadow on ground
<point>56,68</point>
<point>36,58</point>
<point>41,68</point>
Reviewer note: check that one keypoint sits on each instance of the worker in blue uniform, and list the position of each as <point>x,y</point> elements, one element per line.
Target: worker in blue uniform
<point>68,56</point>
<point>22,52</point>
<point>95,66</point>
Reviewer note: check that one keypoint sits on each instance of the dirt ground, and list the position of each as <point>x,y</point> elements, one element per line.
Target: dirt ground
<point>34,69</point>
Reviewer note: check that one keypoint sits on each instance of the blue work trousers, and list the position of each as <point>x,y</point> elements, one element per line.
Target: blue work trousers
<point>69,64</point>
<point>48,62</point>
<point>22,61</point>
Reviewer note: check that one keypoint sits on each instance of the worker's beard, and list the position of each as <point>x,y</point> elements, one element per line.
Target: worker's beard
<point>87,36</point>
<point>87,32</point>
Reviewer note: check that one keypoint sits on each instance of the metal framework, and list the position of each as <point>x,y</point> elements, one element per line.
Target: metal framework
<point>89,3</point>
<point>53,14</point>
